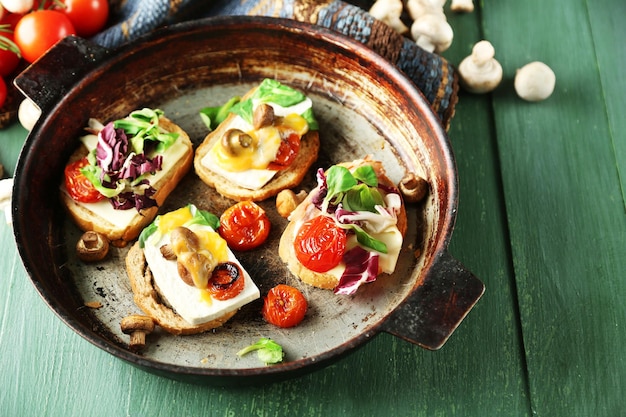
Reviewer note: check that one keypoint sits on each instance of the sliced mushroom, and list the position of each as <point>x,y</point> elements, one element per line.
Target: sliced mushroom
<point>182,240</point>
<point>235,141</point>
<point>263,116</point>
<point>92,247</point>
<point>413,188</point>
<point>137,326</point>
<point>196,268</point>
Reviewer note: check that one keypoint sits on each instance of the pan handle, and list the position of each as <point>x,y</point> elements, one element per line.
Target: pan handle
<point>435,309</point>
<point>54,73</point>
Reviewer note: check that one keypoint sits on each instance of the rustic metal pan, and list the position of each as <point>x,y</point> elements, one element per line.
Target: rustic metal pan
<point>364,105</point>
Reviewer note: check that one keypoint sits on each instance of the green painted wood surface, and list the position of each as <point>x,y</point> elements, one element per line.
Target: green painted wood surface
<point>541,221</point>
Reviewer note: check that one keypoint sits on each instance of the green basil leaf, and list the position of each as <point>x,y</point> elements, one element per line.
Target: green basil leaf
<point>367,175</point>
<point>362,198</point>
<point>310,119</point>
<point>272,91</point>
<point>368,241</point>
<point>146,233</point>
<point>213,116</point>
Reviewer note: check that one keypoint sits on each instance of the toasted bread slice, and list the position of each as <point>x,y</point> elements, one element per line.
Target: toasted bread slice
<point>306,209</point>
<point>283,179</point>
<point>148,299</point>
<point>87,218</point>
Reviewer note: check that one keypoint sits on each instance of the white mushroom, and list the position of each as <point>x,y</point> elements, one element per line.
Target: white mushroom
<point>535,81</point>
<point>462,6</point>
<point>480,72</point>
<point>432,33</point>
<point>28,113</point>
<point>419,8</point>
<point>389,12</point>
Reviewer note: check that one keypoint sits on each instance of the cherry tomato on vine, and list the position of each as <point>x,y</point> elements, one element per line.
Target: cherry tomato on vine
<point>320,244</point>
<point>78,186</point>
<point>37,31</point>
<point>284,306</point>
<point>287,152</point>
<point>3,92</point>
<point>244,226</point>
<point>226,282</point>
<point>88,16</point>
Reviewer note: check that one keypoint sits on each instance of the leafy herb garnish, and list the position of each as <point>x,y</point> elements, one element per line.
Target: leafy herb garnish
<point>268,351</point>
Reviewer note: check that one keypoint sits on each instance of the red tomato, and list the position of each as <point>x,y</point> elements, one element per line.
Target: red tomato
<point>88,16</point>
<point>78,186</point>
<point>9,59</point>
<point>287,152</point>
<point>244,226</point>
<point>3,92</point>
<point>284,306</point>
<point>320,244</point>
<point>37,31</point>
<point>226,282</point>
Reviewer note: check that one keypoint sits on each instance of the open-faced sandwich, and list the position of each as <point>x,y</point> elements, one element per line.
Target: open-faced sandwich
<point>348,230</point>
<point>184,276</point>
<point>265,143</point>
<point>123,171</point>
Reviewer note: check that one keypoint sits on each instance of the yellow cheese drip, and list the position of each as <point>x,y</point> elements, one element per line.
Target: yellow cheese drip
<point>174,219</point>
<point>267,139</point>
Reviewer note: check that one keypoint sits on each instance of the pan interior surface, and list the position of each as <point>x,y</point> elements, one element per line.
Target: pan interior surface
<point>364,107</point>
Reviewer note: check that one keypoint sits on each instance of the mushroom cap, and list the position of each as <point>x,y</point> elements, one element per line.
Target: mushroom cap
<point>535,81</point>
<point>480,72</point>
<point>137,322</point>
<point>435,30</point>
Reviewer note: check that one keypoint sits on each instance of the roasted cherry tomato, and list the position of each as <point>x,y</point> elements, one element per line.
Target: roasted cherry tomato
<point>320,244</point>
<point>3,92</point>
<point>78,186</point>
<point>37,31</point>
<point>287,152</point>
<point>284,306</point>
<point>88,16</point>
<point>226,282</point>
<point>244,226</point>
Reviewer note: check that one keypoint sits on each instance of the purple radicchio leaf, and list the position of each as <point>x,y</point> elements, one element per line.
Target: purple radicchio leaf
<point>129,200</point>
<point>361,267</point>
<point>112,148</point>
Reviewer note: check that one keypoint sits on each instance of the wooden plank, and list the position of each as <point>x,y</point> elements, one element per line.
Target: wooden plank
<point>607,31</point>
<point>565,209</point>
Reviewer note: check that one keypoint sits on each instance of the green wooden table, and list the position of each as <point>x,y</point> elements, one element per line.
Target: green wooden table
<point>541,221</point>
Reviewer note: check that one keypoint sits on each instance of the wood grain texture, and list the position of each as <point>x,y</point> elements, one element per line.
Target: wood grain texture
<point>565,211</point>
<point>541,221</point>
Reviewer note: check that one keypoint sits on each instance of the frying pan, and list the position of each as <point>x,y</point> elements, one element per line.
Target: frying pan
<point>364,105</point>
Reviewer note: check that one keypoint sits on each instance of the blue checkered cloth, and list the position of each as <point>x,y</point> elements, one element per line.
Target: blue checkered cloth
<point>431,73</point>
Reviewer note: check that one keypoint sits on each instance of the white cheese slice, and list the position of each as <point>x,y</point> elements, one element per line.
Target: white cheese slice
<point>185,299</point>
<point>121,218</point>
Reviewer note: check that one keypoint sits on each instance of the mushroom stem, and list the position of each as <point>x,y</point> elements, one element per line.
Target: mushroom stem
<point>137,326</point>
<point>462,6</point>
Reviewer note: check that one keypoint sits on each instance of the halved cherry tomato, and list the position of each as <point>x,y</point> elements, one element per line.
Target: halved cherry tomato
<point>78,186</point>
<point>287,152</point>
<point>320,244</point>
<point>226,282</point>
<point>284,306</point>
<point>244,226</point>
<point>3,92</point>
<point>37,31</point>
<point>88,16</point>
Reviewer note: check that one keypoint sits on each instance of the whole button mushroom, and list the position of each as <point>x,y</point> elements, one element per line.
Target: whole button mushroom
<point>92,247</point>
<point>535,81</point>
<point>480,72</point>
<point>137,326</point>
